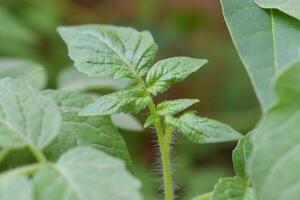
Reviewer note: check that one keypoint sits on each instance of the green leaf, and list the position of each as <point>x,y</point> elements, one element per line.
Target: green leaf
<point>102,50</point>
<point>127,122</point>
<point>275,160</point>
<point>71,79</point>
<point>95,131</point>
<point>86,173</point>
<point>151,119</point>
<point>232,188</point>
<point>23,69</point>
<point>290,7</point>
<point>169,71</point>
<point>267,41</point>
<point>241,156</point>
<point>130,100</point>
<point>174,106</point>
<point>15,188</point>
<point>203,130</point>
<point>26,117</point>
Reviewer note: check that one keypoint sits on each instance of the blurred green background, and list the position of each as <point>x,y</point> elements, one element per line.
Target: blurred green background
<point>192,28</point>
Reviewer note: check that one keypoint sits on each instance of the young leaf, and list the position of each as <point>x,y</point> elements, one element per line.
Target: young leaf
<point>275,159</point>
<point>151,119</point>
<point>15,187</point>
<point>127,122</point>
<point>175,106</point>
<point>102,50</point>
<point>232,188</point>
<point>203,130</point>
<point>130,100</point>
<point>26,117</point>
<point>86,173</point>
<point>71,79</point>
<point>267,41</point>
<point>241,156</point>
<point>95,131</point>
<point>26,70</point>
<point>290,7</point>
<point>169,71</point>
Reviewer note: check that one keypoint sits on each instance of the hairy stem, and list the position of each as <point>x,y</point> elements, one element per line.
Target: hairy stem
<point>40,157</point>
<point>25,170</point>
<point>164,140</point>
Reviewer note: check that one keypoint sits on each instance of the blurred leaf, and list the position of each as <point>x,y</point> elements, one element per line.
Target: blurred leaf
<point>23,69</point>
<point>275,159</point>
<point>86,173</point>
<point>232,188</point>
<point>127,122</point>
<point>101,50</point>
<point>71,79</point>
<point>27,118</point>
<point>97,131</point>
<point>290,7</point>
<point>169,71</point>
<point>265,45</point>
<point>241,156</point>
<point>15,188</point>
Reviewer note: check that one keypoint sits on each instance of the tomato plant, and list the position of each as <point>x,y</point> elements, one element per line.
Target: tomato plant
<point>73,136</point>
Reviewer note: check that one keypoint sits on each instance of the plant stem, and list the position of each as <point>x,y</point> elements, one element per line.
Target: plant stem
<point>40,157</point>
<point>25,170</point>
<point>164,141</point>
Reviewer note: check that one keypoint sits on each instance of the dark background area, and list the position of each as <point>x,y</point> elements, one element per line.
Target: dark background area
<point>192,28</point>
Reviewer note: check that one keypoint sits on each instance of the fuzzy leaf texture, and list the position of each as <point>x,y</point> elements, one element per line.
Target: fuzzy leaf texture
<point>232,188</point>
<point>169,71</point>
<point>86,173</point>
<point>275,164</point>
<point>26,117</point>
<point>103,50</point>
<point>129,100</point>
<point>15,188</point>
<point>266,40</point>
<point>174,106</point>
<point>241,156</point>
<point>203,130</point>
<point>97,132</point>
<point>290,7</point>
<point>23,69</point>
<point>71,79</point>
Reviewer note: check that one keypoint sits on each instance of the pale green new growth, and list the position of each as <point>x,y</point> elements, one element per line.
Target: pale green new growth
<point>102,50</point>
<point>169,71</point>
<point>26,118</point>
<point>26,70</point>
<point>15,188</point>
<point>267,41</point>
<point>241,156</point>
<point>129,100</point>
<point>127,122</point>
<point>85,173</point>
<point>275,165</point>
<point>290,7</point>
<point>174,106</point>
<point>203,130</point>
<point>232,188</point>
<point>97,132</point>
